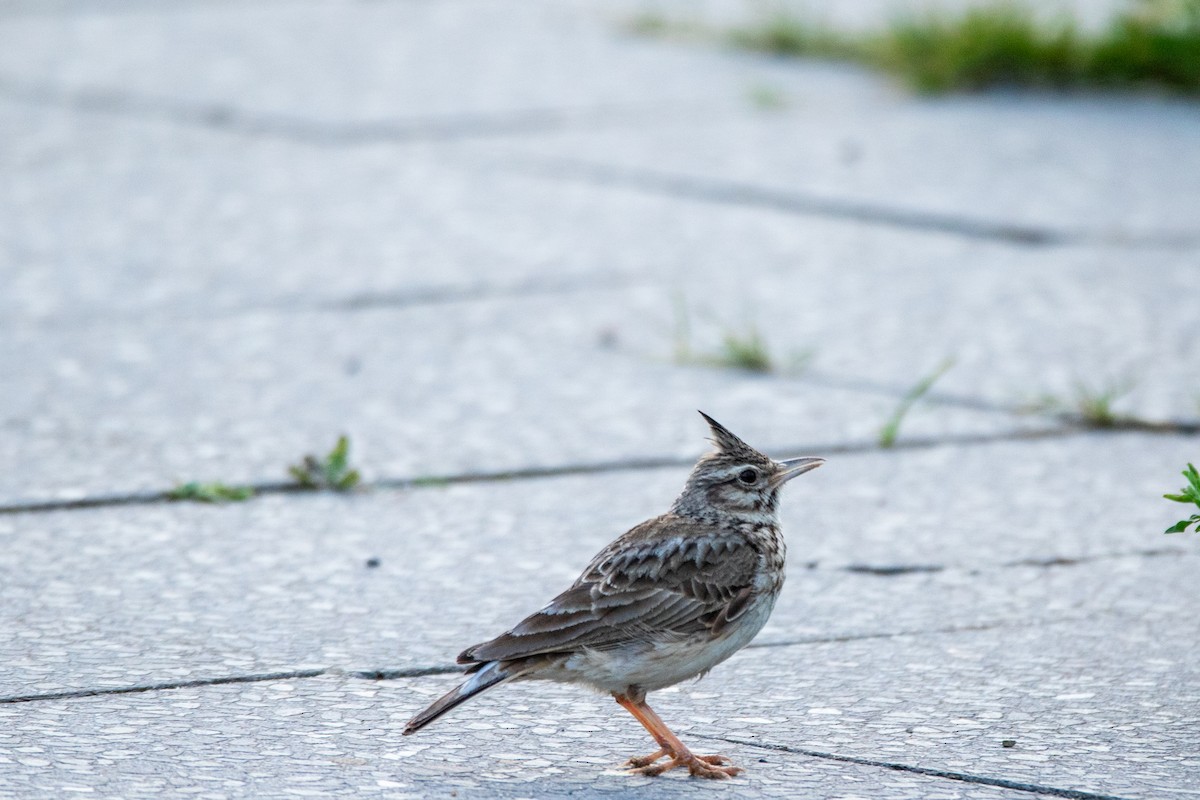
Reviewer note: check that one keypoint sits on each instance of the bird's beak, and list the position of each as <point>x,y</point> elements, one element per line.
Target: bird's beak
<point>797,466</point>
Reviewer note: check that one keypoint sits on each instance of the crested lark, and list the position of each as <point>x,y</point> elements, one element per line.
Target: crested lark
<point>668,601</point>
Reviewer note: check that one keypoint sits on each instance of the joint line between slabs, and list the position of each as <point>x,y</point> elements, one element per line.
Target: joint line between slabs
<point>158,687</point>
<point>230,119</point>
<point>750,195</point>
<point>965,777</point>
<point>531,473</point>
<point>384,674</point>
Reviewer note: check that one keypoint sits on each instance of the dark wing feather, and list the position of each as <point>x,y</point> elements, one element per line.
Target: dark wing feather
<point>670,576</point>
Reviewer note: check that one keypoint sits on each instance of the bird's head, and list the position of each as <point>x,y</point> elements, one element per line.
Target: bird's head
<point>736,479</point>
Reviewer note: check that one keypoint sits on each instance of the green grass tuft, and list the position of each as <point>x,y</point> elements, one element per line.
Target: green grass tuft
<point>891,429</point>
<point>987,46</point>
<point>747,350</point>
<point>766,98</point>
<point>1154,44</point>
<point>1095,407</point>
<point>331,473</point>
<point>198,492</point>
<point>788,35</point>
<point>1158,44</point>
<point>648,23</point>
<point>1189,494</point>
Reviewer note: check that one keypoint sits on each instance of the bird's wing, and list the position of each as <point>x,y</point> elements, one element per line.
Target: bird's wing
<point>667,577</point>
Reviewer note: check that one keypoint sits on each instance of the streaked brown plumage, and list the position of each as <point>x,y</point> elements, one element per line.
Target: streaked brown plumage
<point>665,602</point>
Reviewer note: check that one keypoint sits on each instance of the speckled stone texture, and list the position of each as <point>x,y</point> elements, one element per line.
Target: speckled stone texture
<point>500,244</point>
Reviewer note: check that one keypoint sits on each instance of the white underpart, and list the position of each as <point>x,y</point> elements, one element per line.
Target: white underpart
<point>653,665</point>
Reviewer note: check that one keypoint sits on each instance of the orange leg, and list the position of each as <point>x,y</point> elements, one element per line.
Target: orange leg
<point>670,746</point>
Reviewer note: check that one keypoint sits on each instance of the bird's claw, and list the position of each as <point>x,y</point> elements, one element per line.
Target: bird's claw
<point>644,761</point>
<point>716,766</point>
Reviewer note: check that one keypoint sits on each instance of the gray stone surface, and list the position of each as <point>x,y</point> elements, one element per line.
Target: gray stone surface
<point>429,391</point>
<point>457,231</point>
<point>335,737</point>
<point>870,303</point>
<point>364,62</point>
<point>123,597</point>
<point>1084,167</point>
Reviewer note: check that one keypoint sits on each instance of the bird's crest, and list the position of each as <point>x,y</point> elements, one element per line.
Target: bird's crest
<point>730,445</point>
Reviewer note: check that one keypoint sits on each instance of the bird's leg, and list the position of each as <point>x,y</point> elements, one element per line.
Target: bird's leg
<point>664,747</point>
<point>669,745</point>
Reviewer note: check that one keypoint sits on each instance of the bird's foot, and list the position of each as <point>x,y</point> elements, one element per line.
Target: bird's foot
<point>645,761</point>
<point>717,766</point>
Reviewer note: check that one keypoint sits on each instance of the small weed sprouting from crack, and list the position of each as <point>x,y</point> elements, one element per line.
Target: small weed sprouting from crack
<point>331,473</point>
<point>745,349</point>
<point>891,429</point>
<point>216,492</point>
<point>788,35</point>
<point>648,23</point>
<point>1088,406</point>
<point>1094,407</point>
<point>659,26</point>
<point>1189,494</point>
<point>766,98</point>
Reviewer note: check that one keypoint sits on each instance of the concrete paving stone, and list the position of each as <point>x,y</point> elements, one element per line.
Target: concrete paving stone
<point>115,220</point>
<point>1105,706</point>
<point>421,392</point>
<point>336,737</point>
<point>1115,168</point>
<point>366,62</point>
<point>1108,169</point>
<point>120,597</point>
<point>109,218</point>
<point>1019,326</point>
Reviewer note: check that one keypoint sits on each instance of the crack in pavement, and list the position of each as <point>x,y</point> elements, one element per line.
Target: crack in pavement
<point>231,119</point>
<point>965,777</point>
<point>228,118</point>
<point>76,8</point>
<point>158,687</point>
<point>443,669</point>
<point>869,386</point>
<point>530,473</point>
<point>421,671</point>
<point>1044,562</point>
<point>737,193</point>
<point>1069,561</point>
<point>351,303</point>
<point>950,629</point>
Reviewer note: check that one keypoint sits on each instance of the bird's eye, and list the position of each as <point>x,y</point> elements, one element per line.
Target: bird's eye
<point>748,476</point>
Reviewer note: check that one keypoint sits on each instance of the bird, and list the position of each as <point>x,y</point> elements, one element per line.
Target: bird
<point>665,602</point>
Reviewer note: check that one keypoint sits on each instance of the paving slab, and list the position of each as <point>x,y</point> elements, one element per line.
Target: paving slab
<point>199,226</point>
<point>431,391</point>
<point>1114,169</point>
<point>364,62</point>
<point>1099,708</point>
<point>337,737</point>
<point>457,232</point>
<point>117,218</point>
<point>880,544</point>
<point>1110,170</point>
<point>1106,706</point>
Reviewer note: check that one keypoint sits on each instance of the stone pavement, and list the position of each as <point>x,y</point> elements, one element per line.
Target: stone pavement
<point>470,234</point>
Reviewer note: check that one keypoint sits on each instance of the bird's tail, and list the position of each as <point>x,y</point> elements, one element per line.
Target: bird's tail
<point>489,675</point>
